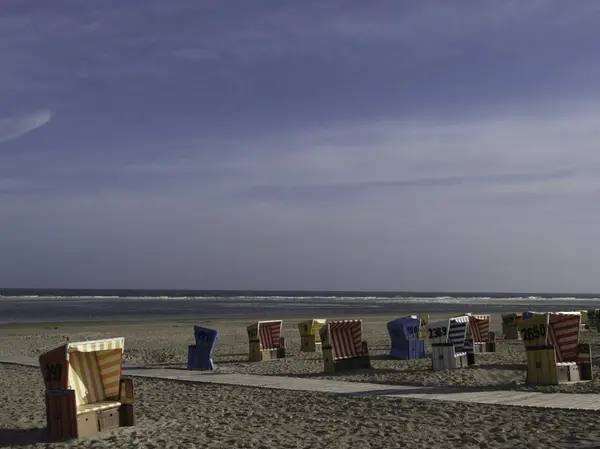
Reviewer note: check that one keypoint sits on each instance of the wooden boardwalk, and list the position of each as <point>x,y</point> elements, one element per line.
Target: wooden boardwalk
<point>481,396</point>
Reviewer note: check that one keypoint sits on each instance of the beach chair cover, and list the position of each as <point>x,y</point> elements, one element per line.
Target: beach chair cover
<point>479,328</point>
<point>312,327</point>
<point>564,335</point>
<point>405,338</point>
<point>457,332</point>
<point>200,357</point>
<point>267,332</point>
<point>344,336</point>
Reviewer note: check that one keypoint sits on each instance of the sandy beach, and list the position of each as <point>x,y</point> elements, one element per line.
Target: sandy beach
<point>177,414</point>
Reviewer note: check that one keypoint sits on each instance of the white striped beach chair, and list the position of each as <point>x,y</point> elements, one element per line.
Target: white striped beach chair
<point>310,339</point>
<point>555,353</point>
<point>343,346</point>
<point>85,392</point>
<point>265,340</point>
<point>449,347</point>
<point>479,334</point>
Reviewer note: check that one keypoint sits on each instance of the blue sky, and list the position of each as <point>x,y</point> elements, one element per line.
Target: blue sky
<point>392,145</point>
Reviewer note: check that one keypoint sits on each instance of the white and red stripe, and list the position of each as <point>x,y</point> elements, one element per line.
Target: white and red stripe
<point>344,336</point>
<point>479,326</point>
<point>564,335</point>
<point>269,333</point>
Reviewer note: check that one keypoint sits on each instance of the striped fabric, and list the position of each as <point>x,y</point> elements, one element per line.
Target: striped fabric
<point>95,371</point>
<point>345,337</point>
<point>85,379</point>
<point>457,332</point>
<point>564,335</point>
<point>97,406</point>
<point>96,345</point>
<point>479,326</point>
<point>269,334</point>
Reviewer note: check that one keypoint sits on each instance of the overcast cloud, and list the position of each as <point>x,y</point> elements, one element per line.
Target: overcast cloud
<point>395,145</point>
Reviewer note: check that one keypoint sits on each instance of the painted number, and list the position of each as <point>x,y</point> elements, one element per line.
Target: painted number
<point>252,333</point>
<point>438,332</point>
<point>534,332</point>
<point>412,329</point>
<point>201,336</point>
<point>53,372</point>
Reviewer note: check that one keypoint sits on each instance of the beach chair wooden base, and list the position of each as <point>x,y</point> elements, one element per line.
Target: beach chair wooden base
<point>262,355</point>
<point>543,369</point>
<point>127,415</point>
<point>511,332</point>
<point>340,365</point>
<point>308,343</point>
<point>443,357</point>
<point>483,347</point>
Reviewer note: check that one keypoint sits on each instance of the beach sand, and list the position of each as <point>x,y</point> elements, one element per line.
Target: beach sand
<point>177,414</point>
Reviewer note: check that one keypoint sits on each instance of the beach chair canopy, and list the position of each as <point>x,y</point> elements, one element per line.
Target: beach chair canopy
<point>479,328</point>
<point>403,329</point>
<point>267,332</point>
<point>564,335</point>
<point>344,336</point>
<point>457,332</point>
<point>91,368</point>
<point>312,327</point>
<point>205,336</point>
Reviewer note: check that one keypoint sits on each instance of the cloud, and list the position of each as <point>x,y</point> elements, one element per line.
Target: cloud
<point>14,127</point>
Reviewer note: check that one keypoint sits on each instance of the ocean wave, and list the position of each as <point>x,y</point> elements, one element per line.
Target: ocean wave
<point>298,299</point>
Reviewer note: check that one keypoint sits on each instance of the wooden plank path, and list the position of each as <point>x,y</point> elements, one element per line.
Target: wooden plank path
<point>571,401</point>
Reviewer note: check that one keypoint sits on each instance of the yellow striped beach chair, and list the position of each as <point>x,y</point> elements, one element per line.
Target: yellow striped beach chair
<point>85,393</point>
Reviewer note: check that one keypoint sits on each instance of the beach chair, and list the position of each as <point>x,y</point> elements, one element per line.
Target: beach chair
<point>266,342</point>
<point>343,347</point>
<point>585,325</point>
<point>555,354</point>
<point>481,339</point>
<point>405,336</point>
<point>310,339</point>
<point>510,325</point>
<point>200,354</point>
<point>449,347</point>
<point>85,393</point>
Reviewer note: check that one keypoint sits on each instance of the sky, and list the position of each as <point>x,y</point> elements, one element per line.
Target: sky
<point>346,145</point>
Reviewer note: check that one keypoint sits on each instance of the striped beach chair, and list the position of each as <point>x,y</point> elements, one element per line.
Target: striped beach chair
<point>405,338</point>
<point>510,325</point>
<point>479,335</point>
<point>449,347</point>
<point>343,346</point>
<point>85,393</point>
<point>310,339</point>
<point>200,354</point>
<point>555,354</point>
<point>266,342</point>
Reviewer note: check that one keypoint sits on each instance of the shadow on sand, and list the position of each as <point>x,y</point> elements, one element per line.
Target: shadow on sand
<point>22,437</point>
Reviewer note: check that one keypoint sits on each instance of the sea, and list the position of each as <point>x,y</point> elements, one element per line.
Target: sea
<point>60,305</point>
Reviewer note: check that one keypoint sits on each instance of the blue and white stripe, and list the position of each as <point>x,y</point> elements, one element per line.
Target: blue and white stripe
<point>457,332</point>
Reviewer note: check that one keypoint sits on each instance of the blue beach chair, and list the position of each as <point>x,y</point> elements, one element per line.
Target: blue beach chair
<point>200,354</point>
<point>405,333</point>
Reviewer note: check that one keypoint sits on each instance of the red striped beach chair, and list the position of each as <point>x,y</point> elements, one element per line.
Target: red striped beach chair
<point>555,354</point>
<point>482,340</point>
<point>266,342</point>
<point>85,393</point>
<point>343,347</point>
